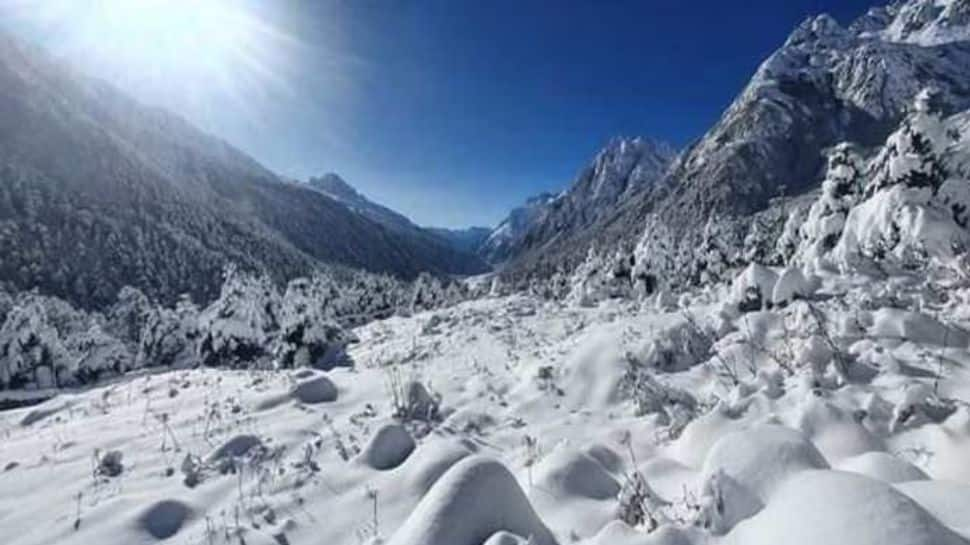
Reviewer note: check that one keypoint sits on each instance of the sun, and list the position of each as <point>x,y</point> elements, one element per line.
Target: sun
<point>176,53</point>
<point>184,31</point>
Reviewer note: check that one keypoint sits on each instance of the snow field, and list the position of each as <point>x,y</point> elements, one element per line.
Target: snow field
<point>834,418</point>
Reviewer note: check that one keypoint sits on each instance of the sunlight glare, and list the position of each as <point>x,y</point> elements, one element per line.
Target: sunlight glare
<point>187,54</point>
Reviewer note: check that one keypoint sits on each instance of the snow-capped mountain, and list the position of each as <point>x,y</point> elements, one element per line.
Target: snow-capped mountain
<point>827,84</point>
<point>336,188</point>
<point>755,371</point>
<point>624,167</point>
<point>927,22</point>
<point>445,244</point>
<point>136,195</point>
<point>499,244</point>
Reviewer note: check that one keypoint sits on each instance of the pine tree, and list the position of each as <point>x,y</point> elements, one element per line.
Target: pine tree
<point>912,155</point>
<point>910,211</point>
<point>841,190</point>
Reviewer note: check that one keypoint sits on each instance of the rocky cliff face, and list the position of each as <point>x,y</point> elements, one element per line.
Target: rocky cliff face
<point>623,168</point>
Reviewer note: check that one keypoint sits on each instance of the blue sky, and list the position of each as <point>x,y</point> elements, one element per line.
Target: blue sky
<point>455,111</point>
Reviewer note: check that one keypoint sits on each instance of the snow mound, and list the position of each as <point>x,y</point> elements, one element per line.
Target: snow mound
<point>44,412</point>
<point>884,467</point>
<point>814,353</point>
<point>668,477</point>
<point>505,538</point>
<point>835,507</point>
<point>762,457</point>
<point>902,223</point>
<point>836,431</point>
<point>791,285</point>
<point>900,324</point>
<point>427,464</point>
<point>164,519</point>
<point>947,501</point>
<point>304,373</point>
<point>606,456</point>
<point>702,434</point>
<point>235,447</point>
<point>389,448</point>
<point>676,347</point>
<point>417,403</point>
<point>474,500</point>
<point>311,390</point>
<point>594,373</point>
<point>753,287</point>
<point>569,473</point>
<point>315,390</point>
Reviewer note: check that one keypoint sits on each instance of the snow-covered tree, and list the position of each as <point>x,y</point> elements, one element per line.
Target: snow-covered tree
<point>912,156</point>
<point>788,241</point>
<point>96,352</point>
<point>719,248</point>
<point>237,329</point>
<point>586,282</point>
<point>35,343</point>
<point>168,336</point>
<point>128,316</point>
<point>758,245</point>
<point>427,293</point>
<point>654,257</point>
<point>841,190</point>
<point>909,214</point>
<point>309,334</point>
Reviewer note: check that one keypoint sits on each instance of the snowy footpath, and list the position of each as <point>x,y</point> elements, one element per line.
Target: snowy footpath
<point>781,409</point>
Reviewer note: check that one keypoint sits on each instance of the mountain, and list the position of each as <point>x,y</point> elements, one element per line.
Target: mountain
<point>825,85</point>
<point>468,240</point>
<point>442,245</point>
<point>501,242</point>
<point>339,190</point>
<point>624,167</point>
<point>99,192</point>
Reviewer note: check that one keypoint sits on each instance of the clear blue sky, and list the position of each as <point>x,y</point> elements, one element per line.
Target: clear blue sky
<point>454,111</point>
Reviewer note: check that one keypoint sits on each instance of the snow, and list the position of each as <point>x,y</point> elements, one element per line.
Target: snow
<point>516,418</point>
<point>388,448</point>
<point>767,379</point>
<point>475,499</point>
<point>315,390</point>
<point>761,458</point>
<point>754,286</point>
<point>792,284</point>
<point>834,507</point>
<point>884,467</point>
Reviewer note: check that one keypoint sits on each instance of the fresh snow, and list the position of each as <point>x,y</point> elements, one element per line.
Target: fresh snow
<point>507,419</point>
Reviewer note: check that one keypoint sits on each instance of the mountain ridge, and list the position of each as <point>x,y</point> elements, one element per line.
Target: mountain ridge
<point>826,84</point>
<point>622,167</point>
<point>137,195</point>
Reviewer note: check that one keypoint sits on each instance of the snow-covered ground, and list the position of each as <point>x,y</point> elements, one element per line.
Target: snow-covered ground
<point>836,418</point>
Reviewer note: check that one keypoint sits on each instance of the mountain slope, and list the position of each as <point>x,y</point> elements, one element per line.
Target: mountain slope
<point>439,245</point>
<point>339,190</point>
<point>825,85</point>
<point>502,241</point>
<point>135,195</point>
<point>468,240</point>
<point>623,167</point>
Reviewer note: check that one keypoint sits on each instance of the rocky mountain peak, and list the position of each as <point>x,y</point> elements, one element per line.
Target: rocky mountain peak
<point>928,22</point>
<point>821,27</point>
<point>333,184</point>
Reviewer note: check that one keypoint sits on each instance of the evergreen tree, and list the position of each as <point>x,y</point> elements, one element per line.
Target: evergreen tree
<point>841,190</point>
<point>912,156</point>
